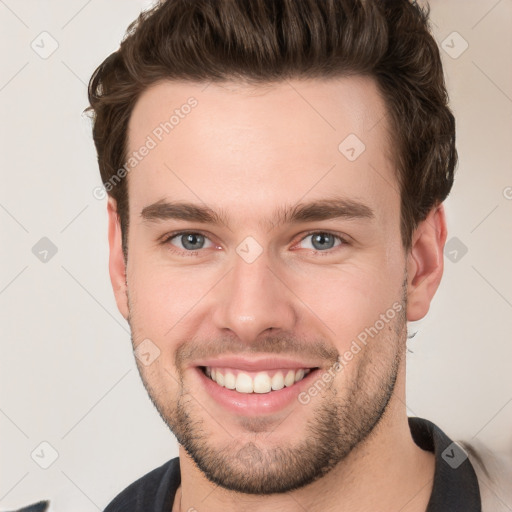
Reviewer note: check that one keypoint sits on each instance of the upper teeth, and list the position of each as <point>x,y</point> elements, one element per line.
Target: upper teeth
<point>261,382</point>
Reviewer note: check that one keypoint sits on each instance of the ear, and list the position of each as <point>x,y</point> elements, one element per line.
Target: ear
<point>116,264</point>
<point>425,263</point>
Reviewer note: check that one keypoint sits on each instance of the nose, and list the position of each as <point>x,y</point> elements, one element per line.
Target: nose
<point>252,299</point>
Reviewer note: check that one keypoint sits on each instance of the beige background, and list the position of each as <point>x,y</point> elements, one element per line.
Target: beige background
<point>67,374</point>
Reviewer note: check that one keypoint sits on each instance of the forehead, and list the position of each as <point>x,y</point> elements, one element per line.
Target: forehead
<point>245,147</point>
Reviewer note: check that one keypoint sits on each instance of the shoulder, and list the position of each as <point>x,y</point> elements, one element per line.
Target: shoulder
<point>153,491</point>
<point>494,473</point>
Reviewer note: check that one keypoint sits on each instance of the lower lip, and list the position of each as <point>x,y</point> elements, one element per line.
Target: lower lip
<point>255,404</point>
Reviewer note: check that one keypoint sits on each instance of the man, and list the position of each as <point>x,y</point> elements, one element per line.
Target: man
<point>276,171</point>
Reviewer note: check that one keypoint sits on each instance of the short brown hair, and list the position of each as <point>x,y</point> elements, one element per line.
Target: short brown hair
<point>265,41</point>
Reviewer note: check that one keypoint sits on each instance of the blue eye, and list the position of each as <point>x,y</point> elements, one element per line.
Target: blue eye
<point>190,243</point>
<point>322,240</point>
<point>190,240</point>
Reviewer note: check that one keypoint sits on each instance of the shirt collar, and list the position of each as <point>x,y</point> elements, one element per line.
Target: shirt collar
<point>455,484</point>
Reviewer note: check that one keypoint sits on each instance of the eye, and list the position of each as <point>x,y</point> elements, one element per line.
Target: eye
<point>322,241</point>
<point>187,241</point>
<point>190,242</point>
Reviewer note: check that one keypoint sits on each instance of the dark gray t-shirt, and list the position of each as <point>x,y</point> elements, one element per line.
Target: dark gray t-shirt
<point>455,486</point>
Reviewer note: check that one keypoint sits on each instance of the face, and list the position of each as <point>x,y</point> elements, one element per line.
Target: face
<point>264,251</point>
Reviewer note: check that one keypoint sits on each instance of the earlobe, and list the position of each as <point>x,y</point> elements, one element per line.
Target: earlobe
<point>425,263</point>
<point>117,266</point>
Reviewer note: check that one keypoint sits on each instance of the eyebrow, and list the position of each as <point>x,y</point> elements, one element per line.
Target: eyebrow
<point>318,210</point>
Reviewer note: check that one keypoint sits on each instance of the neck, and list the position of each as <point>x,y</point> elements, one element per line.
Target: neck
<point>387,471</point>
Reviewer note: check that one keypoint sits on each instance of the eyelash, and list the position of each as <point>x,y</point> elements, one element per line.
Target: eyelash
<point>169,237</point>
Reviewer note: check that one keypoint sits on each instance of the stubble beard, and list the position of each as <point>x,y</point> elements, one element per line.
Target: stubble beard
<point>337,422</point>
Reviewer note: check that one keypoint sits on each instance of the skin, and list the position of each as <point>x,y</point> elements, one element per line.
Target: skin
<point>241,153</point>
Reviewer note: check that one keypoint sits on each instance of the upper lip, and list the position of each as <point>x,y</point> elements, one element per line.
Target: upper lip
<point>255,364</point>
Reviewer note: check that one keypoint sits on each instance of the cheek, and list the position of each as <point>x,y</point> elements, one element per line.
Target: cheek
<point>160,297</point>
<point>351,298</point>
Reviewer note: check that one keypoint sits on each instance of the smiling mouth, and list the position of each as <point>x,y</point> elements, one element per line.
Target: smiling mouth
<point>255,382</point>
